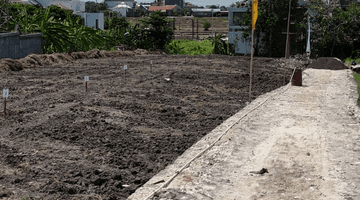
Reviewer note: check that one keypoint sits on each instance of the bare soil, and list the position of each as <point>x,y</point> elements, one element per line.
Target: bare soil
<point>59,141</point>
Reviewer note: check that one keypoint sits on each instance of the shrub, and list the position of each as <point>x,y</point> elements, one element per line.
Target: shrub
<point>188,47</point>
<point>206,25</point>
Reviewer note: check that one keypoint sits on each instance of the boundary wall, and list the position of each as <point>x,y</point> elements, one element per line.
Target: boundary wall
<point>13,45</point>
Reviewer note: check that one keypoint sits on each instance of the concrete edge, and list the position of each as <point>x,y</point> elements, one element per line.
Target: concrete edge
<point>164,175</point>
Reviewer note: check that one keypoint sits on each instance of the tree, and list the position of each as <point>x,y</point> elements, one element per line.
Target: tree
<point>271,22</point>
<point>93,7</point>
<point>335,29</point>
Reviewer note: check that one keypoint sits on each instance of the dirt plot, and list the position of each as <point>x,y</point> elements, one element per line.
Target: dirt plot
<point>60,142</point>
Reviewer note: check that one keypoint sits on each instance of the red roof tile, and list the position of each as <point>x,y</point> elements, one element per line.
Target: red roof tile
<point>155,8</point>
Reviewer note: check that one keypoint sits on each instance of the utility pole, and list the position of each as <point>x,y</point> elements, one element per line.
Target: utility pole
<point>287,48</point>
<point>212,21</point>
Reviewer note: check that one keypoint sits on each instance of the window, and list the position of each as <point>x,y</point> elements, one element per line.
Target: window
<point>237,16</point>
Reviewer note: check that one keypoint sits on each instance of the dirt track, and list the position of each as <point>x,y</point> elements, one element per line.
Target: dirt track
<point>60,142</point>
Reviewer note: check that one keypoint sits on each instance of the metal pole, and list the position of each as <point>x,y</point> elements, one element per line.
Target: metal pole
<point>197,29</point>
<point>192,34</point>
<point>212,22</point>
<point>287,54</point>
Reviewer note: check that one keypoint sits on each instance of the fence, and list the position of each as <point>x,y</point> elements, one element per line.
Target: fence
<point>194,30</point>
<point>13,45</point>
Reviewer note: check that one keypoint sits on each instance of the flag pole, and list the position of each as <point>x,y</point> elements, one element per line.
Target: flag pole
<point>251,61</point>
<point>254,18</point>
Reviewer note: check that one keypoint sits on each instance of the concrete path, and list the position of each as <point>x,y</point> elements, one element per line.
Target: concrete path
<point>307,137</point>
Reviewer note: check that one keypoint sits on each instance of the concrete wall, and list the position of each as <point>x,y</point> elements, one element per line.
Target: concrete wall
<point>13,45</point>
<point>236,31</point>
<point>90,19</point>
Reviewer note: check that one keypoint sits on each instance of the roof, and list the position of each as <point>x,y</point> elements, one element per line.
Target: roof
<point>122,5</point>
<point>156,8</point>
<point>62,6</point>
<point>205,10</point>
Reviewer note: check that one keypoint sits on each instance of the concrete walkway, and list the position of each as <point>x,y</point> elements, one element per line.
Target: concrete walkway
<point>307,137</point>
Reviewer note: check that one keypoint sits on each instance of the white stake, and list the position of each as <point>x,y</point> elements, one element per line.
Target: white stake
<point>5,95</point>
<point>86,78</point>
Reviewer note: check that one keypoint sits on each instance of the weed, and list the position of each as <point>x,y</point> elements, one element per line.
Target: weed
<point>357,79</point>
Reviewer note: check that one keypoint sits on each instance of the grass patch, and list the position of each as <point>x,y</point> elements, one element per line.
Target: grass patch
<point>349,60</point>
<point>189,47</point>
<point>357,79</point>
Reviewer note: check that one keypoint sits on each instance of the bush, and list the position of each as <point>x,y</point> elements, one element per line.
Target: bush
<point>188,47</point>
<point>220,46</point>
<point>206,25</point>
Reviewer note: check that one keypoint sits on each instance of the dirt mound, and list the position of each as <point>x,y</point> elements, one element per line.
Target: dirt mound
<point>327,63</point>
<point>34,60</point>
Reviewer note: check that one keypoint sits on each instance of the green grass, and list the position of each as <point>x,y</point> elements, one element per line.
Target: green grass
<point>356,75</point>
<point>188,47</point>
<point>357,79</point>
<point>349,60</point>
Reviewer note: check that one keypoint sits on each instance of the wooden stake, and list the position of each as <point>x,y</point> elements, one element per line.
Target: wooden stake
<point>251,61</point>
<point>5,106</point>
<point>85,86</point>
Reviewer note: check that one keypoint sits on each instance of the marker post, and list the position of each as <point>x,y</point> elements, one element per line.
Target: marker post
<point>5,95</point>
<point>86,78</point>
<point>125,68</point>
<point>150,66</point>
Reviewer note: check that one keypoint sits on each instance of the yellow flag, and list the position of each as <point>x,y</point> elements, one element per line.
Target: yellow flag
<point>254,12</point>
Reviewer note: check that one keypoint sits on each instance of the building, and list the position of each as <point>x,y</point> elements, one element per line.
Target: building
<point>202,12</point>
<point>113,3</point>
<point>19,1</point>
<point>167,10</point>
<point>236,31</point>
<point>93,20</point>
<point>180,3</point>
<point>76,6</point>
<point>122,9</point>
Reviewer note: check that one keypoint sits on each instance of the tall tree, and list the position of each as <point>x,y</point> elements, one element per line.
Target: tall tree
<point>335,28</point>
<point>271,22</point>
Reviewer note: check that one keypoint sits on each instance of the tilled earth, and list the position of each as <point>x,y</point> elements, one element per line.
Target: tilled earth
<point>59,141</point>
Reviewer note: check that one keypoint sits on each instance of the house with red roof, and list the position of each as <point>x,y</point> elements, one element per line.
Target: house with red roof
<point>167,10</point>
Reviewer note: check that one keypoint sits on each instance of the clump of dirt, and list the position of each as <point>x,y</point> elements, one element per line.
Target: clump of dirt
<point>35,60</point>
<point>327,63</point>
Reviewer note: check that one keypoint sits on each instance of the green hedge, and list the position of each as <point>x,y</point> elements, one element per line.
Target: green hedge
<point>188,47</point>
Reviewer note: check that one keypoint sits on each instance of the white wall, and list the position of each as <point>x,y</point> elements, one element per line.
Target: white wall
<point>90,19</point>
<point>121,11</point>
<point>112,4</point>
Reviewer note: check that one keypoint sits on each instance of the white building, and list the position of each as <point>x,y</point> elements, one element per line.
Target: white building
<point>113,3</point>
<point>236,31</point>
<point>121,9</point>
<point>93,20</point>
